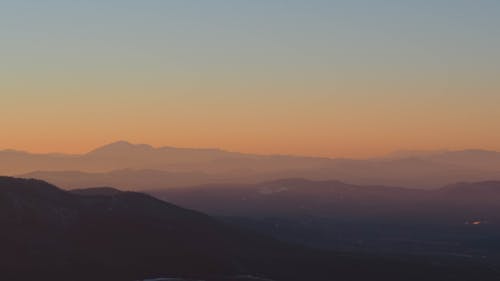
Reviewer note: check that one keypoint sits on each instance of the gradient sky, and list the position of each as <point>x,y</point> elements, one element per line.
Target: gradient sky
<point>333,78</point>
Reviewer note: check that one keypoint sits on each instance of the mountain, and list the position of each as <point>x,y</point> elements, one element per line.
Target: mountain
<point>114,156</point>
<point>106,234</point>
<point>117,235</point>
<point>484,194</point>
<point>149,167</point>
<point>121,147</point>
<point>287,196</point>
<point>459,220</point>
<point>482,189</point>
<point>338,199</point>
<point>127,179</point>
<point>471,158</point>
<point>97,191</point>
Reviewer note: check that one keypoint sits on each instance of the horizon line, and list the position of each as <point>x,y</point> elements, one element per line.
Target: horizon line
<point>390,154</point>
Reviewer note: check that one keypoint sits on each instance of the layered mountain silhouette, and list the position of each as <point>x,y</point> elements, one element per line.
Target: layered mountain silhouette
<point>459,220</point>
<point>106,234</point>
<point>134,166</point>
<point>297,196</point>
<point>128,179</point>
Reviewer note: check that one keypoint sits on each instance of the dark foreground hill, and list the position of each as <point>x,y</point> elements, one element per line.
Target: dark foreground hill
<point>105,234</point>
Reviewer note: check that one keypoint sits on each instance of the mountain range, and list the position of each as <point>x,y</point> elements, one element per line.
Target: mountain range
<point>107,234</point>
<point>458,220</point>
<point>133,167</point>
<point>296,196</point>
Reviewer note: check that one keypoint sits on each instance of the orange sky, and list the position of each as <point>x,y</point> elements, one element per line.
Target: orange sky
<point>330,79</point>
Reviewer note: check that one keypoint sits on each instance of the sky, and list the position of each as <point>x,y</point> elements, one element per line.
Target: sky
<point>328,78</point>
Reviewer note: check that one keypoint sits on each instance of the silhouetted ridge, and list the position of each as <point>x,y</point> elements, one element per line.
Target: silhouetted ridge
<point>334,199</point>
<point>20,183</point>
<point>50,234</point>
<point>305,183</point>
<point>192,166</point>
<point>474,187</point>
<point>484,194</point>
<point>29,187</point>
<point>120,147</point>
<point>96,191</point>
<point>291,181</point>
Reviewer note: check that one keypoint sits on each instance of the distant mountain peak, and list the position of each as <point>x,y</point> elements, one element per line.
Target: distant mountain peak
<point>121,146</point>
<point>121,142</point>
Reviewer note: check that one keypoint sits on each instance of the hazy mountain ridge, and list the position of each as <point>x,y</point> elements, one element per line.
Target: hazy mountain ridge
<point>144,166</point>
<point>457,221</point>
<point>337,198</point>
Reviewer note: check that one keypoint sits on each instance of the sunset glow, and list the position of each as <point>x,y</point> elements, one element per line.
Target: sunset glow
<point>324,78</point>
